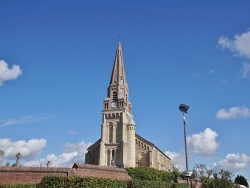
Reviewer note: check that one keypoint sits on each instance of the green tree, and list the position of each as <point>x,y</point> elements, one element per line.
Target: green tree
<point>211,179</point>
<point>223,179</point>
<point>203,173</point>
<point>241,180</point>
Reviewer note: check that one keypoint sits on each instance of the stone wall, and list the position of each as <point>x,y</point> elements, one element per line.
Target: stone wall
<point>34,175</point>
<point>101,171</point>
<point>30,175</point>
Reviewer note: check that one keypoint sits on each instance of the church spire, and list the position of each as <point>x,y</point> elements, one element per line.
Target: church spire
<point>118,91</point>
<point>118,76</point>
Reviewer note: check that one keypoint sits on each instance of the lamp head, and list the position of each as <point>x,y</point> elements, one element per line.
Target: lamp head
<point>183,108</point>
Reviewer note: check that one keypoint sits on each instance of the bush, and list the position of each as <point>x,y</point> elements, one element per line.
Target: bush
<point>18,186</point>
<point>155,184</point>
<point>76,181</point>
<point>150,174</point>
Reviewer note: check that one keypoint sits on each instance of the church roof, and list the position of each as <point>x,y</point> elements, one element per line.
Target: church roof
<point>118,76</point>
<point>151,144</point>
<point>94,145</point>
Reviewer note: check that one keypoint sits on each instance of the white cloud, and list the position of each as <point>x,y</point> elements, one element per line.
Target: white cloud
<point>233,113</point>
<point>240,44</point>
<point>245,70</point>
<point>29,149</point>
<point>233,162</point>
<point>24,120</point>
<point>72,153</point>
<point>178,159</point>
<point>7,73</point>
<point>203,142</point>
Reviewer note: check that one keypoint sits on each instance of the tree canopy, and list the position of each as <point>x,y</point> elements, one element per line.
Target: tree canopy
<point>211,179</point>
<point>241,180</point>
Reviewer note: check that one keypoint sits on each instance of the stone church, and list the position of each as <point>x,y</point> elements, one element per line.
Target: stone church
<point>119,145</point>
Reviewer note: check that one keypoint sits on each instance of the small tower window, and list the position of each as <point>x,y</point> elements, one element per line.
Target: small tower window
<point>114,99</point>
<point>114,96</point>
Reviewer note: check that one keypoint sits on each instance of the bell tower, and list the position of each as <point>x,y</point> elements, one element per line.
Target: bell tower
<point>117,146</point>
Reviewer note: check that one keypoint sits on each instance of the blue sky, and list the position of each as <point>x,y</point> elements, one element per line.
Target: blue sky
<point>56,59</point>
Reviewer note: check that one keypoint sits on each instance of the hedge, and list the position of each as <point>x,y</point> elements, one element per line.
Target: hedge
<point>90,182</point>
<point>156,184</point>
<point>76,181</point>
<point>150,174</point>
<point>18,186</point>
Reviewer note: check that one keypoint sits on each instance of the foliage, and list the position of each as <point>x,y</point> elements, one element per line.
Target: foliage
<point>241,180</point>
<point>210,179</point>
<point>76,181</point>
<point>143,177</point>
<point>17,186</point>
<point>177,173</point>
<point>156,184</point>
<point>202,171</point>
<point>150,174</point>
<point>223,179</point>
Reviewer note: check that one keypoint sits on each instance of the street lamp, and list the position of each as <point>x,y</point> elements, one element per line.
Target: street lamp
<point>184,108</point>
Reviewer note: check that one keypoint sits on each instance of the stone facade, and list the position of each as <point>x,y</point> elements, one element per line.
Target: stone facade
<point>147,154</point>
<point>119,145</point>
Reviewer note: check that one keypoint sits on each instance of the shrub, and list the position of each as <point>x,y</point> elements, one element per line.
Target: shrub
<point>156,184</point>
<point>18,186</point>
<point>76,181</point>
<point>150,174</point>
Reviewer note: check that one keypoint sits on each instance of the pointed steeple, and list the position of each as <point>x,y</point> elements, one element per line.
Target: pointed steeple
<point>118,76</point>
<point>118,91</point>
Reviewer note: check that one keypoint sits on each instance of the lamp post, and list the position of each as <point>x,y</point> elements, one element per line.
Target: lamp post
<point>184,108</point>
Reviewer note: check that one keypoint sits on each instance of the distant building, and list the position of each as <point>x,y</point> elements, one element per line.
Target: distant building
<point>119,145</point>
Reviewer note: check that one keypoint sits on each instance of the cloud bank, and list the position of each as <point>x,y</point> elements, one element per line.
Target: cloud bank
<point>29,149</point>
<point>233,113</point>
<point>203,142</point>
<point>7,73</point>
<point>73,153</point>
<point>239,46</point>
<point>233,162</point>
